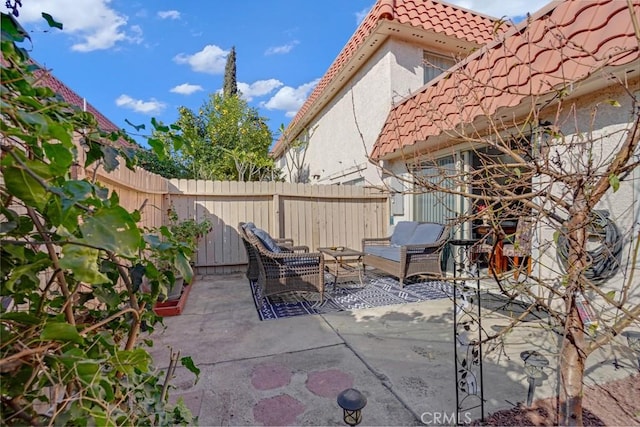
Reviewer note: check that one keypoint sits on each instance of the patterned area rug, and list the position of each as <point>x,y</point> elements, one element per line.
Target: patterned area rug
<point>377,292</point>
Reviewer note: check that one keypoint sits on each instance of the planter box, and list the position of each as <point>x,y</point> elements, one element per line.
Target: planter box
<point>173,308</point>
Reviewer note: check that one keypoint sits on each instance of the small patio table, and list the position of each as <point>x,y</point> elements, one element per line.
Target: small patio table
<point>345,264</point>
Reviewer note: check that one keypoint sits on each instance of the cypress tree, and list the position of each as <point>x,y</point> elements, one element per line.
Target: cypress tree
<point>230,87</point>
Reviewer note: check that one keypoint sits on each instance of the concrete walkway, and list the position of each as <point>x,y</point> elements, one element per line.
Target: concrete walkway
<point>290,371</point>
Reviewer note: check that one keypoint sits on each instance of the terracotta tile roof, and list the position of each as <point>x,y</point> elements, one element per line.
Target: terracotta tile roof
<point>49,80</point>
<point>565,41</point>
<point>422,14</point>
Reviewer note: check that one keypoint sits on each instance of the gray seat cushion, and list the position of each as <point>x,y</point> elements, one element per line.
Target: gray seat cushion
<point>425,234</point>
<point>403,232</point>
<point>383,251</point>
<point>266,240</point>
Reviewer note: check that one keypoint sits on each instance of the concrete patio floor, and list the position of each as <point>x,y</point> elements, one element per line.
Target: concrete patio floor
<point>290,371</point>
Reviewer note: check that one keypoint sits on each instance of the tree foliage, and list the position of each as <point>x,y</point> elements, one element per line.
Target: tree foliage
<point>169,166</point>
<point>226,140</point>
<point>72,260</point>
<point>230,87</point>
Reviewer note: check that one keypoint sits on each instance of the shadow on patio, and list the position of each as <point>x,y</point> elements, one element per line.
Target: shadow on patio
<point>289,371</point>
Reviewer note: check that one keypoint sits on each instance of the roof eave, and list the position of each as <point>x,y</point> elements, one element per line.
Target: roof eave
<point>384,30</point>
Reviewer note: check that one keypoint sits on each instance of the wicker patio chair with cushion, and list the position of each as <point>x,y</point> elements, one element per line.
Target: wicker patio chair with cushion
<point>283,270</point>
<point>285,244</point>
<point>413,248</point>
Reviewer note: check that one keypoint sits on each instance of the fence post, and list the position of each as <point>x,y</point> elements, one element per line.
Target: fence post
<point>277,220</point>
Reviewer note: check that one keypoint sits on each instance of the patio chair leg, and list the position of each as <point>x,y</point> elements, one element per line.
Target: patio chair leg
<point>516,266</point>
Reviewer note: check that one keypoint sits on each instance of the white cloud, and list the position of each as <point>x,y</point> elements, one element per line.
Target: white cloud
<point>169,14</point>
<point>211,60</point>
<point>136,34</point>
<point>258,88</point>
<point>361,15</point>
<point>186,89</point>
<point>279,50</point>
<point>290,99</point>
<point>500,8</point>
<point>94,23</point>
<point>145,107</point>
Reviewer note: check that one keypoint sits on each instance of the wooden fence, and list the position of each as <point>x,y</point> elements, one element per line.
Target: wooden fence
<point>313,215</point>
<point>140,190</point>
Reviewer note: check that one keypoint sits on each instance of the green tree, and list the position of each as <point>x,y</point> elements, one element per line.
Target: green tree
<point>72,260</point>
<point>230,87</point>
<point>226,140</point>
<point>172,166</point>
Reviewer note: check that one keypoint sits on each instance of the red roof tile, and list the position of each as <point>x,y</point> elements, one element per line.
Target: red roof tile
<point>49,80</point>
<point>565,41</point>
<point>422,14</point>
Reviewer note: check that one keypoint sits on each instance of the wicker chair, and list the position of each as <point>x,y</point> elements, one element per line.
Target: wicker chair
<point>286,270</point>
<point>413,248</point>
<point>253,270</point>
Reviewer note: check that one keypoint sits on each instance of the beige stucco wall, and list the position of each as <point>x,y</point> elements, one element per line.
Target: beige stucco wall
<point>343,134</point>
<point>607,126</point>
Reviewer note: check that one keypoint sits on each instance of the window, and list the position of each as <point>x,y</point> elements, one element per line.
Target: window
<point>434,65</point>
<point>431,205</point>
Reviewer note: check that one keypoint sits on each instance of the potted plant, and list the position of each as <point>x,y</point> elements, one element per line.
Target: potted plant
<point>169,269</point>
<point>188,231</point>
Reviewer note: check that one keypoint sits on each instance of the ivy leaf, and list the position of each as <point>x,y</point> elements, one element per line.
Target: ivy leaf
<point>12,30</point>
<point>25,187</point>
<point>613,102</point>
<point>614,181</point>
<point>61,157</point>
<point>158,148</point>
<point>184,267</point>
<point>93,154</point>
<point>20,317</point>
<point>27,272</point>
<point>87,371</point>
<point>159,126</point>
<point>128,360</point>
<point>61,133</point>
<point>112,229</point>
<point>83,262</point>
<point>110,157</point>
<point>52,22</point>
<point>60,331</point>
<point>187,362</point>
<point>138,128</point>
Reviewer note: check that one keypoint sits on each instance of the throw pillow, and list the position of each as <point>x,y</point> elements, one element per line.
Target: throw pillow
<point>266,240</point>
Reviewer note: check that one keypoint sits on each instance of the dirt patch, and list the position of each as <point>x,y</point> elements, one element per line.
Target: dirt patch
<point>615,403</point>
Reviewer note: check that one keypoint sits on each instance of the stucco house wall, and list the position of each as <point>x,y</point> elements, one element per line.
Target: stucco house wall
<point>608,127</point>
<point>343,134</point>
<point>381,64</point>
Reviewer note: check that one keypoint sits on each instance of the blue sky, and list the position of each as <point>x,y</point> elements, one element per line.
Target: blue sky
<point>136,60</point>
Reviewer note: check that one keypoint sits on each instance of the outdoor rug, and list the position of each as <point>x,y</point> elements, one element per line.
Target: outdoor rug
<point>377,292</point>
